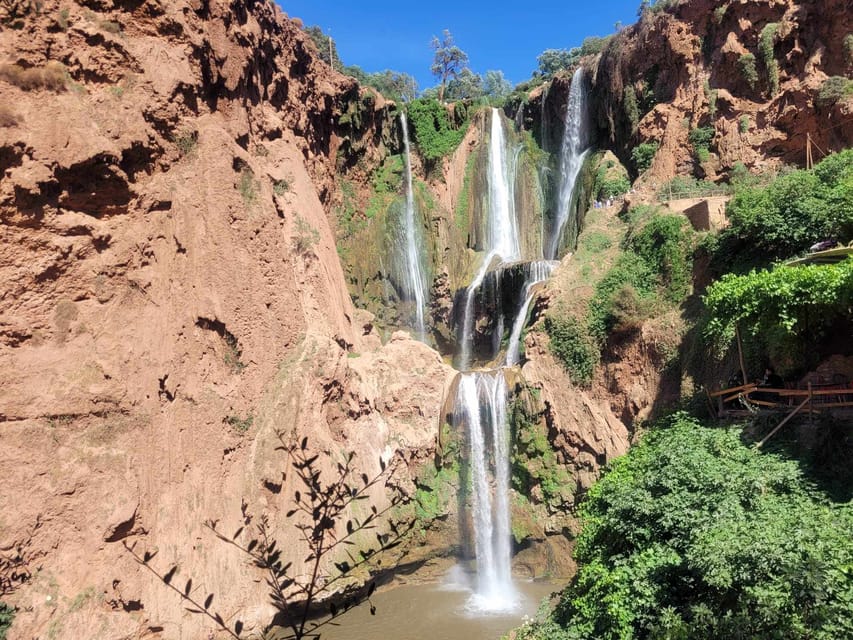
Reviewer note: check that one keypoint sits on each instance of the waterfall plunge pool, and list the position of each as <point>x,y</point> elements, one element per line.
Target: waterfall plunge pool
<point>443,610</point>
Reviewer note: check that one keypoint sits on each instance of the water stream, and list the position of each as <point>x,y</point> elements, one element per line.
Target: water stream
<point>573,151</point>
<point>415,282</point>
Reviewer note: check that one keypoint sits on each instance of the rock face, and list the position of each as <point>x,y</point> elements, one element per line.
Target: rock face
<point>171,298</point>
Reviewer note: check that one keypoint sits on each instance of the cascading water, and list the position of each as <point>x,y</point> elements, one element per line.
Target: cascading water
<point>502,240</point>
<point>481,406</point>
<point>572,154</point>
<point>414,282</point>
<point>539,271</point>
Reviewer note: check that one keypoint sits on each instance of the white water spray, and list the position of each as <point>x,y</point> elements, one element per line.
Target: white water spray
<point>573,151</point>
<point>415,282</point>
<point>481,405</point>
<point>538,272</point>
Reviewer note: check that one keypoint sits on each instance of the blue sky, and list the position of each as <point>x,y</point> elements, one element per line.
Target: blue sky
<point>381,34</point>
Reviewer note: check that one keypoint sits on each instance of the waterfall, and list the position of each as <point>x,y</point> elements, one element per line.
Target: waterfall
<point>481,406</point>
<point>572,153</point>
<point>502,224</point>
<point>502,239</point>
<point>538,272</point>
<point>415,282</point>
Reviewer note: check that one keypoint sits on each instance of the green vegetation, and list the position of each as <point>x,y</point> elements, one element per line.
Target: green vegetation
<point>789,308</point>
<point>784,218</point>
<point>643,154</point>
<point>280,187</point>
<point>187,141</point>
<point>743,123</point>
<point>7,616</point>
<point>248,187</point>
<point>305,237</point>
<point>553,60</point>
<point>611,180</point>
<point>448,61</point>
<point>534,462</point>
<point>654,269</point>
<point>700,139</point>
<point>693,534</point>
<point>832,90</point>
<point>240,425</point>
<point>571,344</point>
<point>766,43</point>
<point>848,49</point>
<point>436,490</point>
<point>748,69</point>
<point>689,187</point>
<point>435,135</point>
<point>629,104</point>
<point>461,217</point>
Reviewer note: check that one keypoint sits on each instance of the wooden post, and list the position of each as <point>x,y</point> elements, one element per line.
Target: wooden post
<point>809,161</point>
<point>782,424</point>
<point>811,406</point>
<point>740,355</point>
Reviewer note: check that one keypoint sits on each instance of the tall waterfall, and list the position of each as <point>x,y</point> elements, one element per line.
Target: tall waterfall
<point>572,154</point>
<point>481,406</point>
<point>502,240</point>
<point>415,282</point>
<point>539,271</point>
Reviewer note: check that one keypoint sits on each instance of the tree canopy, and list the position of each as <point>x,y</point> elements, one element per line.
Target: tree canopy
<point>448,60</point>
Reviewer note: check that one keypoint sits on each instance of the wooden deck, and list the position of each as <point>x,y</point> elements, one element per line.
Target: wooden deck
<point>749,399</point>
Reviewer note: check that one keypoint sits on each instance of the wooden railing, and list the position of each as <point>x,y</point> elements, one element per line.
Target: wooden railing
<point>812,398</point>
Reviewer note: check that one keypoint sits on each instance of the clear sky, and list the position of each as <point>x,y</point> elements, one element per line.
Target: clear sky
<point>381,34</point>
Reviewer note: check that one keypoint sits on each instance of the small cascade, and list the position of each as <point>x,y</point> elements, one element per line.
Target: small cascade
<point>415,287</point>
<point>539,271</point>
<point>573,151</point>
<point>481,406</point>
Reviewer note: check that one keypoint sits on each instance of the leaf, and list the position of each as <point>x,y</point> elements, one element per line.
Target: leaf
<point>208,601</point>
<point>372,610</point>
<point>237,533</point>
<point>304,444</point>
<point>251,546</point>
<point>170,574</point>
<point>238,627</point>
<point>188,587</point>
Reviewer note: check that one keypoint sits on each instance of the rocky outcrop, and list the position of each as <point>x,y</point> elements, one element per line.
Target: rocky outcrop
<point>172,298</point>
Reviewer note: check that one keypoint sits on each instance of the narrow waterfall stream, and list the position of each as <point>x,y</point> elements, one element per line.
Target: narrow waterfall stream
<point>415,282</point>
<point>573,151</point>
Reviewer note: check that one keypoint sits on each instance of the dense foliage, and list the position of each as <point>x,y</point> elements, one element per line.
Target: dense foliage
<point>695,535</point>
<point>655,267</point>
<point>571,345</point>
<point>435,135</point>
<point>643,154</point>
<point>786,217</point>
<point>7,615</point>
<point>787,306</point>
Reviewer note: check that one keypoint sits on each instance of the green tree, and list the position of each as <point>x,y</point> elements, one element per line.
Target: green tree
<point>448,61</point>
<point>324,44</point>
<point>496,86</point>
<point>695,534</point>
<point>553,60</point>
<point>467,85</point>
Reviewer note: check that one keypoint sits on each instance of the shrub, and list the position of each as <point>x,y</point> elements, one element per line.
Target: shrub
<point>7,616</point>
<point>766,43</point>
<point>701,137</point>
<point>632,111</point>
<point>746,64</point>
<point>793,212</point>
<point>248,186</point>
<point>832,90</point>
<point>848,49</point>
<point>280,187</point>
<point>571,345</point>
<point>306,236</point>
<point>433,132</point>
<point>643,155</point>
<point>743,123</point>
<point>694,534</point>
<point>240,425</point>
<point>186,141</point>
<point>664,245</point>
<point>51,76</point>
<point>782,303</point>
<point>613,187</point>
